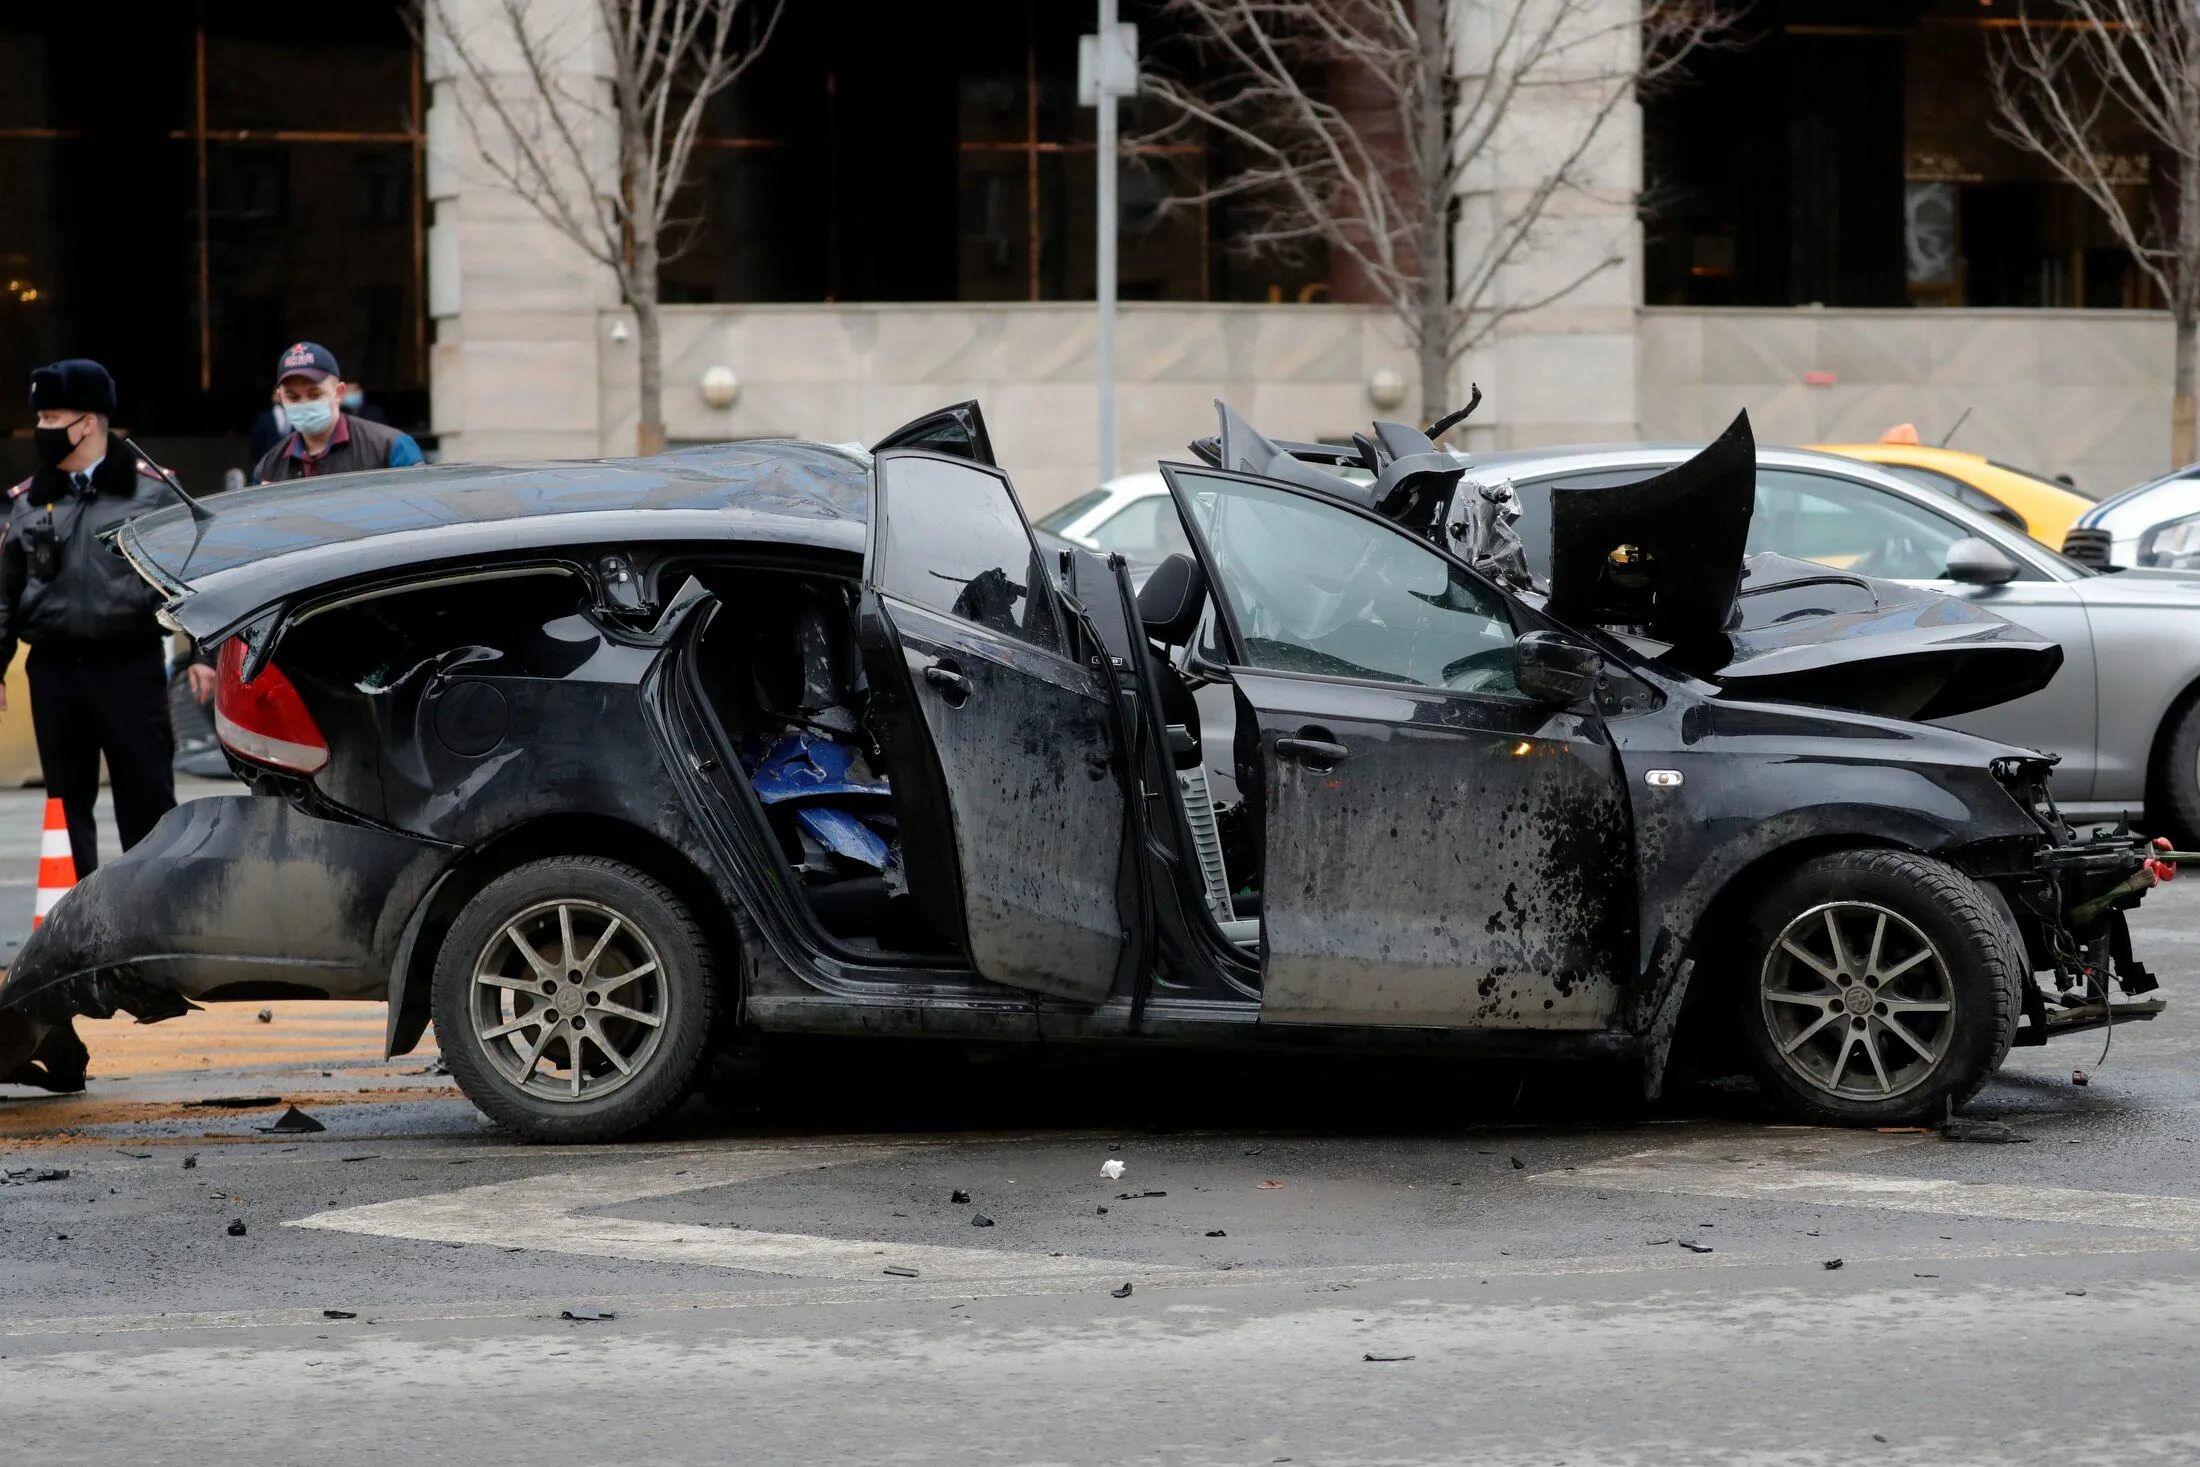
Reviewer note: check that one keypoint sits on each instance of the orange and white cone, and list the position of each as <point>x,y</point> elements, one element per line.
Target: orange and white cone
<point>56,862</point>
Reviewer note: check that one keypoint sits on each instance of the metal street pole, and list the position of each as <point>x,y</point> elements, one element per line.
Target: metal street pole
<point>1105,286</point>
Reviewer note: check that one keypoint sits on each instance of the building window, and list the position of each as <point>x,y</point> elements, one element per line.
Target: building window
<point>1871,172</point>
<point>930,163</point>
<point>294,166</point>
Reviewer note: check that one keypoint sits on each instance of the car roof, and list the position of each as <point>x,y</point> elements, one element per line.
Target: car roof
<point>274,539</point>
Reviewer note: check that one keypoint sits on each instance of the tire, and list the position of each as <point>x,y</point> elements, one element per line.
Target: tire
<point>2175,797</point>
<point>660,965</point>
<point>1920,1013</point>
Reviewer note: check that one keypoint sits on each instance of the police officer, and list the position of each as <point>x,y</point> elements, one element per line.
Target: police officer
<point>324,438</point>
<point>96,680</point>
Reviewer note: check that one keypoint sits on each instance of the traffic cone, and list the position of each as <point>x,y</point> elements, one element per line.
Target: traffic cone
<point>56,862</point>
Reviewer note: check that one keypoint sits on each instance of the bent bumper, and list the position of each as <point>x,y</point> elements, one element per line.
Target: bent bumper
<point>229,897</point>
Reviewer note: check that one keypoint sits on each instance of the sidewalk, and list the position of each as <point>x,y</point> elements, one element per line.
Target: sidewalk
<point>23,817</point>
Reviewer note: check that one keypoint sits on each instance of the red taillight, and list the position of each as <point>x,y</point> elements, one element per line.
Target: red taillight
<point>265,720</point>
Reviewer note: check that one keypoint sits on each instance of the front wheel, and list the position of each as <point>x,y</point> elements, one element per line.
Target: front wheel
<point>573,999</point>
<point>1884,987</point>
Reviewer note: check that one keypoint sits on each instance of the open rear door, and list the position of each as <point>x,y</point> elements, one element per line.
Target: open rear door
<point>958,431</point>
<point>1008,783</point>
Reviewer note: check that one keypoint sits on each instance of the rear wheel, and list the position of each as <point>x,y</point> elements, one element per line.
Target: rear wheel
<point>573,999</point>
<point>1883,987</point>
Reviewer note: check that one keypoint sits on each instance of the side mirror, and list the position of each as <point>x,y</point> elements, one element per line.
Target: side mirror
<point>1976,562</point>
<point>1551,667</point>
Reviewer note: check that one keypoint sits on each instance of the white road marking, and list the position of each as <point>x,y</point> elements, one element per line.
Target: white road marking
<point>544,1213</point>
<point>1786,1170</point>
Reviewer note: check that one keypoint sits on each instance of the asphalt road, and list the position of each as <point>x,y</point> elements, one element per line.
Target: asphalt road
<point>1516,1236</point>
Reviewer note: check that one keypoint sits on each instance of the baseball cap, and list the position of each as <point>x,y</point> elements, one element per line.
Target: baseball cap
<point>307,359</point>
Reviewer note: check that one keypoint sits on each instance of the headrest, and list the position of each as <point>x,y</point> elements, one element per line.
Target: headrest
<point>1169,603</point>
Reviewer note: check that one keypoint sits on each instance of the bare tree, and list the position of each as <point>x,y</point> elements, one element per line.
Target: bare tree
<point>1368,126</point>
<point>602,160</point>
<point>2066,85</point>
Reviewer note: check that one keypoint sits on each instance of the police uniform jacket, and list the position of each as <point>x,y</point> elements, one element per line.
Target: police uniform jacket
<point>59,582</point>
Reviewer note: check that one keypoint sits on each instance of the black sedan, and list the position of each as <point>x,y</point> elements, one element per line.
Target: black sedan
<point>606,767</point>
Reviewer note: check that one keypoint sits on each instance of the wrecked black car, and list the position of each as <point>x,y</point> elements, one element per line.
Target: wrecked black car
<point>607,767</point>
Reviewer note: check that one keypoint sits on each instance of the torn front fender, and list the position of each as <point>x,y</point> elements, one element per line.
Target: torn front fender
<point>228,897</point>
<point>1662,556</point>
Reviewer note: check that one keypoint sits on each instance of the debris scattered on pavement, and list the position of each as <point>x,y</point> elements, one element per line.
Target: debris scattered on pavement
<point>958,1195</point>
<point>1122,1293</point>
<point>292,1122</point>
<point>2078,1077</point>
<point>1878,1438</point>
<point>1924,1275</point>
<point>1100,1211</point>
<point>587,1314</point>
<point>338,1314</point>
<point>1271,1185</point>
<point>191,1161</point>
<point>234,1102</point>
<point>895,1270</point>
<point>1903,1130</point>
<point>1695,1247</point>
<point>1111,1169</point>
<point>267,1016</point>
<point>135,1155</point>
<point>1252,1151</point>
<point>1518,1164</point>
<point>24,1176</point>
<point>370,1156</point>
<point>980,1220</point>
<point>2075,1293</point>
<point>1998,1133</point>
<point>1657,1242</point>
<point>1134,1196</point>
<point>1831,1264</point>
<point>1217,1233</point>
<point>1375,1359</point>
<point>236,1227</point>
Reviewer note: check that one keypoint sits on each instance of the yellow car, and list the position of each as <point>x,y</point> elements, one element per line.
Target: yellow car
<point>2040,507</point>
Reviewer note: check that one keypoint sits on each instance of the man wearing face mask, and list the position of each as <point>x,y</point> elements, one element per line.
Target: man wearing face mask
<point>323,437</point>
<point>96,680</point>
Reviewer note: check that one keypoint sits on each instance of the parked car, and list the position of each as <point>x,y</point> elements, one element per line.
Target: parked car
<point>2033,504</point>
<point>2155,525</point>
<point>1131,516</point>
<point>604,765</point>
<point>2122,714</point>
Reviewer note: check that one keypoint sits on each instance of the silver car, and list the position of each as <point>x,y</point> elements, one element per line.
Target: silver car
<point>2123,712</point>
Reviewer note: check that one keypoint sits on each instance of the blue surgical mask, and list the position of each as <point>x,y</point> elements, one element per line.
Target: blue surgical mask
<point>311,417</point>
<point>352,399</point>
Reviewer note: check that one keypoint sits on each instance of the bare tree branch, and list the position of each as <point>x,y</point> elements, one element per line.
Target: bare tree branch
<point>544,124</point>
<point>2084,86</point>
<point>1360,125</point>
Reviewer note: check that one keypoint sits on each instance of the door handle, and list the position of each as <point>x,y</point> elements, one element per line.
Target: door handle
<point>954,687</point>
<point>1313,753</point>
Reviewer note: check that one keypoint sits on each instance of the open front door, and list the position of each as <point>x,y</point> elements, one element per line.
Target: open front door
<point>1439,849</point>
<point>1014,831</point>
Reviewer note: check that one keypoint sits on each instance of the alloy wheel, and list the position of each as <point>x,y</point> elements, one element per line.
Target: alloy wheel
<point>1857,1000</point>
<point>568,1000</point>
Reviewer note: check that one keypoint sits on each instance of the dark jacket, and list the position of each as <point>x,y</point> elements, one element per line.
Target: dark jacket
<point>355,444</point>
<point>58,582</point>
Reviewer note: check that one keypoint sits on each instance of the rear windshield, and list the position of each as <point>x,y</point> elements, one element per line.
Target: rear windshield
<point>1056,520</point>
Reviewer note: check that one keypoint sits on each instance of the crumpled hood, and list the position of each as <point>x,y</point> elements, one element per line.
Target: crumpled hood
<point>1803,632</point>
<point>1767,626</point>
